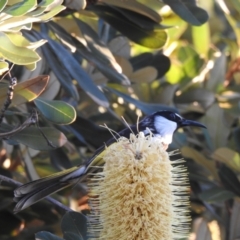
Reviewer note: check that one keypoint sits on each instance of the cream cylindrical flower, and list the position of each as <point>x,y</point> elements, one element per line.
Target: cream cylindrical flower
<point>140,194</point>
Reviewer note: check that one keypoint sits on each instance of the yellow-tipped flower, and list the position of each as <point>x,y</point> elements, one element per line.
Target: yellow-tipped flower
<point>140,194</point>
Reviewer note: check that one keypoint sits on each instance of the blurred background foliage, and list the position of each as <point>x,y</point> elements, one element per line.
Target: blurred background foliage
<point>98,60</point>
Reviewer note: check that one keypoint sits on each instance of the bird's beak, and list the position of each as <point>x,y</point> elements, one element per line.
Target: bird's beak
<point>185,123</point>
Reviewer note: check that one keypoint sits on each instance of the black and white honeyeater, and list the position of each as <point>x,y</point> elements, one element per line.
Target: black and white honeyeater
<point>162,123</point>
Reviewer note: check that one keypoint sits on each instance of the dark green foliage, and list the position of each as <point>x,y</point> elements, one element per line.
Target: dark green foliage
<point>189,11</point>
<point>110,60</point>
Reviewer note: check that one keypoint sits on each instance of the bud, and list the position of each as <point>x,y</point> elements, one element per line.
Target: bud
<point>139,194</point>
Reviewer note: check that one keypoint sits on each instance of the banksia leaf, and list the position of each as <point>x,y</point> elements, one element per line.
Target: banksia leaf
<point>139,194</point>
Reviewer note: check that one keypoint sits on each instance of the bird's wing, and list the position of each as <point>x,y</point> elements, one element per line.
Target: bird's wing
<point>34,191</point>
<point>39,183</point>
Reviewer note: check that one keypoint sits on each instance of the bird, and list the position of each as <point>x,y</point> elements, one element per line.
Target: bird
<point>160,124</point>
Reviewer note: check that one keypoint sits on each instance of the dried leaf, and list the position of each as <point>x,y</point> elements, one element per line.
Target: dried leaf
<point>25,91</point>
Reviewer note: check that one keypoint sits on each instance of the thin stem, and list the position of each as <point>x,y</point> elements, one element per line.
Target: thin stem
<point>8,101</point>
<point>28,122</point>
<point>44,136</point>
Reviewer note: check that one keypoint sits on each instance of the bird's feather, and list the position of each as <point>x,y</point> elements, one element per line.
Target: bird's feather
<point>39,183</point>
<point>162,123</point>
<point>34,191</point>
<point>39,193</point>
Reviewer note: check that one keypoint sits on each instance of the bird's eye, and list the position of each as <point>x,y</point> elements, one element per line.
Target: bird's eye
<point>173,116</point>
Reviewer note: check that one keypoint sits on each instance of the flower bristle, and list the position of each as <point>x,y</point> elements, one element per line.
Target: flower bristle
<point>140,194</point>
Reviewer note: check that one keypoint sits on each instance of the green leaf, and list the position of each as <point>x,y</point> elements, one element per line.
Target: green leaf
<point>11,2</point>
<point>20,41</point>
<point>31,89</point>
<point>107,69</point>
<point>3,67</point>
<point>26,90</point>
<point>27,26</point>
<point>32,137</point>
<point>50,5</point>
<point>60,72</point>
<point>52,13</point>
<point>150,59</point>
<point>17,23</point>
<point>199,158</point>
<point>201,96</point>
<point>31,66</point>
<point>43,235</point>
<point>214,120</point>
<point>201,39</point>
<point>76,72</point>
<point>217,74</point>
<point>58,112</point>
<point>236,5</point>
<point>144,75</point>
<point>151,39</point>
<point>46,3</point>
<point>36,12</point>
<point>232,47</point>
<point>229,157</point>
<point>135,6</point>
<point>216,195</point>
<point>3,4</point>
<point>52,88</point>
<point>233,21</point>
<point>229,179</point>
<point>98,48</point>
<point>188,11</point>
<point>192,63</point>
<point>21,8</point>
<point>147,108</point>
<point>15,54</point>
<point>174,33</point>
<point>186,66</point>
<point>133,17</point>
<point>76,223</point>
<point>167,93</point>
<point>175,73</point>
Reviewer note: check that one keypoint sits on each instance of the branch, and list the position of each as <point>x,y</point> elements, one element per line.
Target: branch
<point>15,184</point>
<point>32,119</point>
<point>8,101</point>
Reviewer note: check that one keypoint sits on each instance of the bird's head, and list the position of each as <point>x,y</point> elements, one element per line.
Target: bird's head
<point>165,123</point>
<point>169,117</point>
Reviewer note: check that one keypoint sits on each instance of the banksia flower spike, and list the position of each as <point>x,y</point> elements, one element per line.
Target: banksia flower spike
<point>140,194</point>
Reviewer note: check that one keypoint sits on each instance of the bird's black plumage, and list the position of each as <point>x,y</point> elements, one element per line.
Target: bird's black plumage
<point>162,123</point>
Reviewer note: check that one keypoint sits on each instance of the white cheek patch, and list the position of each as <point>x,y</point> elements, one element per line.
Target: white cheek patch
<point>165,128</point>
